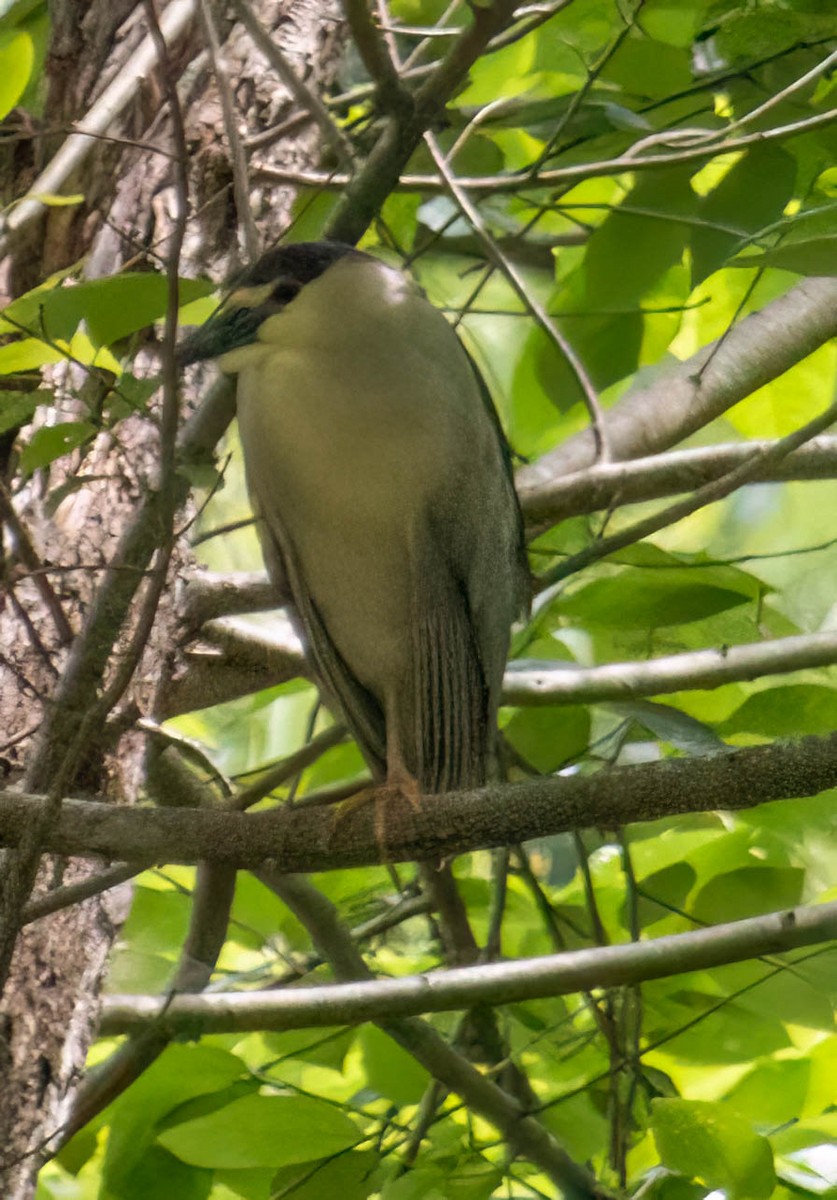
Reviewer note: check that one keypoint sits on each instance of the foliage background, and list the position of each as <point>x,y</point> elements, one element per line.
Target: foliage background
<point>718,1080</point>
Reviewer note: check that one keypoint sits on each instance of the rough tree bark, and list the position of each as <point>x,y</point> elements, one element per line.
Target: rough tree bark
<point>50,1003</point>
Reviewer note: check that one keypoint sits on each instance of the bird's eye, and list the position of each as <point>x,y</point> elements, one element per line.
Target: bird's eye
<point>285,291</point>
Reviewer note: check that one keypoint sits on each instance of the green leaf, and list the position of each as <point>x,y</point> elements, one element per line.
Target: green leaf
<point>815,256</point>
<point>52,442</point>
<point>160,1176</point>
<point>262,1131</point>
<point>52,201</point>
<point>17,56</point>
<point>791,709</point>
<point>115,306</point>
<point>708,1141</point>
<point>26,355</point>
<point>549,737</point>
<point>748,892</point>
<point>752,194</point>
<point>628,253</point>
<point>671,725</point>
<point>773,1092</point>
<point>648,68</point>
<point>17,408</point>
<point>349,1176</point>
<point>179,1074</point>
<point>636,599</point>
<point>391,1071</point>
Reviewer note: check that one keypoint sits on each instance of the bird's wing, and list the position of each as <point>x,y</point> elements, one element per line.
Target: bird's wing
<point>521,561</point>
<point>477,569</point>
<point>359,708</point>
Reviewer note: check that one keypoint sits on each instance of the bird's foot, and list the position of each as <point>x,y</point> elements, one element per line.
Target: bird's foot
<point>385,797</point>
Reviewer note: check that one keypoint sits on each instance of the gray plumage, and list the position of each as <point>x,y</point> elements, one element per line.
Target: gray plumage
<point>382,485</point>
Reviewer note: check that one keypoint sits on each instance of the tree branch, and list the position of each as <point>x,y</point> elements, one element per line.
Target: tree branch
<point>309,839</point>
<point>680,401</point>
<point>489,983</point>
<point>567,684</point>
<point>608,485</point>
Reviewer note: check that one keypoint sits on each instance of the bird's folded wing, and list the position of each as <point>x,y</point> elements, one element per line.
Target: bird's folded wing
<point>356,704</point>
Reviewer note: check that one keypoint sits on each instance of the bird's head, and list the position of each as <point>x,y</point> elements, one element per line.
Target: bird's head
<point>257,293</point>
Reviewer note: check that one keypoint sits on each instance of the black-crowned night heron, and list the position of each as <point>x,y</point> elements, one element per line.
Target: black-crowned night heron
<point>382,486</point>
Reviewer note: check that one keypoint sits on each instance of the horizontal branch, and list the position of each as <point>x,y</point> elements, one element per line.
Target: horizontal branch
<point>465,987</point>
<point>567,684</point>
<point>265,660</point>
<point>300,839</point>
<point>482,185</point>
<point>611,485</point>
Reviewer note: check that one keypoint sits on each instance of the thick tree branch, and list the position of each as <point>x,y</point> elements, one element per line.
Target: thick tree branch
<point>309,839</point>
<point>681,401</point>
<point>611,485</point>
<point>113,100</point>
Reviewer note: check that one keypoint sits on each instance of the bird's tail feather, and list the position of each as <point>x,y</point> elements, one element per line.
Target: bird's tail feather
<point>453,733</point>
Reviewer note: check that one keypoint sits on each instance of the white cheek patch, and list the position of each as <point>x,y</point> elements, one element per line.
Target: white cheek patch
<point>397,288</point>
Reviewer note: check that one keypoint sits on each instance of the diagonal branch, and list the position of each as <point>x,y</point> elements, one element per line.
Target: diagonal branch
<point>680,401</point>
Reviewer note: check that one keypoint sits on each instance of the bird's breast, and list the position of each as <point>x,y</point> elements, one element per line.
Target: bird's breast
<point>346,451</point>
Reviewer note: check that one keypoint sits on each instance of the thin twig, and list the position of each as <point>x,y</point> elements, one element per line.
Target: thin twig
<point>305,97</point>
<point>533,306</point>
<point>238,159</point>
<point>576,173</point>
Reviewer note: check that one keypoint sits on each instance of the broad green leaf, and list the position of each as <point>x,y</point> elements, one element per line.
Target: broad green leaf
<point>648,68</point>
<point>773,1092</point>
<point>714,1032</point>
<point>115,306</point>
<point>17,57</point>
<point>671,725</point>
<point>711,1142</point>
<point>817,256</point>
<point>748,892</point>
<point>662,892</point>
<point>348,1176</point>
<point>749,34</point>
<point>17,408</point>
<point>26,355</point>
<point>424,1183</point>
<point>262,1131</point>
<point>179,1074</point>
<point>629,252</point>
<point>673,21</point>
<point>158,921</point>
<point>254,1183</point>
<point>751,195</point>
<point>644,601</point>
<point>160,1176</point>
<point>52,442</point>
<point>325,1046</point>
<point>391,1071</point>
<point>789,709</point>
<point>549,737</point>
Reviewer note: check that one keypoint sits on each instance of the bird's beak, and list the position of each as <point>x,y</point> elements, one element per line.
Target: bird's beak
<point>231,326</point>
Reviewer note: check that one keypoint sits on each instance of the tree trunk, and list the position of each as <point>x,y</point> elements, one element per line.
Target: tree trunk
<point>49,1011</point>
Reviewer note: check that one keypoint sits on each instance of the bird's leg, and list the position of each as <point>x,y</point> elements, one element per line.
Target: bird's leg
<point>399,784</point>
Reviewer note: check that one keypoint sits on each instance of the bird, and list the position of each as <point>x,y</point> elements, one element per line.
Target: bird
<point>382,487</point>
